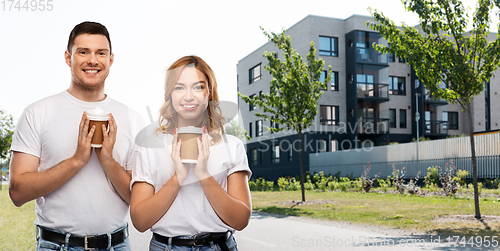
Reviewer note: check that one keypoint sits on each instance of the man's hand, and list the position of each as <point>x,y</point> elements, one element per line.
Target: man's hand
<point>84,149</point>
<point>105,153</point>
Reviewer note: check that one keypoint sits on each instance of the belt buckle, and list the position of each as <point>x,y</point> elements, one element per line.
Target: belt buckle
<point>85,242</point>
<point>199,237</point>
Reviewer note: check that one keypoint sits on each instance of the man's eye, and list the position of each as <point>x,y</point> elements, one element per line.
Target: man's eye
<point>102,53</point>
<point>83,52</point>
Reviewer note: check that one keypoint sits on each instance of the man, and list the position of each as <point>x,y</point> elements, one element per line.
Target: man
<point>82,193</point>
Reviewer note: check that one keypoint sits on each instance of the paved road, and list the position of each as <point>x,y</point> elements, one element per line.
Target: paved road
<point>275,232</point>
<point>269,232</point>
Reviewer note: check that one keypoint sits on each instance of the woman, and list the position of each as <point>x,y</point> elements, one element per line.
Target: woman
<point>188,205</point>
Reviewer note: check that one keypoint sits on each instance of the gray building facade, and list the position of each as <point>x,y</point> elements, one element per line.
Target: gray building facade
<point>371,100</point>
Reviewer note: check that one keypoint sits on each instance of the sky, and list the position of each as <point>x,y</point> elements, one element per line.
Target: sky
<point>147,37</point>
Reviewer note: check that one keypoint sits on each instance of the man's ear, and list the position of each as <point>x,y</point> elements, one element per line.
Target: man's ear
<point>67,57</point>
<point>111,59</point>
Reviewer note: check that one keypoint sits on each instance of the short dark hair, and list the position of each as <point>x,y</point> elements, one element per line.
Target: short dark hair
<point>92,28</point>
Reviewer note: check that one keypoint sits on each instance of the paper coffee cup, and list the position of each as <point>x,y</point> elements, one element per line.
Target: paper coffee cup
<point>189,146</point>
<point>97,117</point>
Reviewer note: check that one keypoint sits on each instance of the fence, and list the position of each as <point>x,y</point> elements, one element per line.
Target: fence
<point>430,153</point>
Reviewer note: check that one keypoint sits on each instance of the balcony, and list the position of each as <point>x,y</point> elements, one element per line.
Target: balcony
<point>429,99</point>
<point>436,128</point>
<point>371,56</point>
<point>373,126</point>
<point>373,91</point>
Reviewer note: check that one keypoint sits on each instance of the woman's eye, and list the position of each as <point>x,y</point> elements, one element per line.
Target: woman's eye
<point>177,88</point>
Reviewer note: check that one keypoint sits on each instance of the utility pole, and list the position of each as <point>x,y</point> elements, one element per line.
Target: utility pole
<point>417,119</point>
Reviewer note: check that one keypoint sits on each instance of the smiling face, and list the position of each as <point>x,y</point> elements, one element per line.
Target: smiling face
<point>190,97</point>
<point>90,59</point>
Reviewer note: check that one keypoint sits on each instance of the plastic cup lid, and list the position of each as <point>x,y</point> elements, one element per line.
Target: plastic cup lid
<point>190,129</point>
<point>97,114</point>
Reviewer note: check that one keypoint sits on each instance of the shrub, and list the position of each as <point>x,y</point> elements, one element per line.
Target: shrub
<point>321,181</point>
<point>398,180</point>
<point>384,184</point>
<point>460,177</point>
<point>432,177</point>
<point>308,185</point>
<point>252,185</point>
<point>283,183</point>
<point>412,186</point>
<point>450,185</point>
<point>343,184</point>
<point>261,185</point>
<point>366,181</point>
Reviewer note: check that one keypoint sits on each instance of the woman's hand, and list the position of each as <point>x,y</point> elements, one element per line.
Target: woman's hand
<point>201,170</point>
<point>180,169</point>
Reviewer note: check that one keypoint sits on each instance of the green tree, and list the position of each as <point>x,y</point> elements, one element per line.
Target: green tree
<point>233,128</point>
<point>294,89</point>
<point>6,132</point>
<point>445,54</point>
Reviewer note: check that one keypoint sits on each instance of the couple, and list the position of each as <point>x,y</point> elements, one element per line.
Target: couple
<point>83,193</point>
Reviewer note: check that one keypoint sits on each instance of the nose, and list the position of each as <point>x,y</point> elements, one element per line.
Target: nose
<point>93,59</point>
<point>189,95</point>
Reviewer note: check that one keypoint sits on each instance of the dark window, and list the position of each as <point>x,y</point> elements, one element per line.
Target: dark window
<point>250,129</point>
<point>392,118</point>
<point>290,153</point>
<point>276,154</point>
<point>397,85</point>
<point>453,120</point>
<point>258,128</point>
<point>487,108</point>
<point>390,57</point>
<point>334,85</point>
<point>402,118</point>
<point>328,46</point>
<point>322,146</point>
<point>329,115</point>
<point>251,107</point>
<point>255,73</point>
<point>274,125</point>
<point>333,145</point>
<point>253,157</point>
<point>401,60</point>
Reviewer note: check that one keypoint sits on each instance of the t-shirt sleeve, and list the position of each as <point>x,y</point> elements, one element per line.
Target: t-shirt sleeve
<point>137,125</point>
<point>26,135</point>
<point>141,168</point>
<point>240,160</point>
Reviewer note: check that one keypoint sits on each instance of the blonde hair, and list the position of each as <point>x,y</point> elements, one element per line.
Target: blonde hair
<point>168,116</point>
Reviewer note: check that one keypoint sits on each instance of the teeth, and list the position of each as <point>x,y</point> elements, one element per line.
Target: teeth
<point>189,106</point>
<point>91,71</point>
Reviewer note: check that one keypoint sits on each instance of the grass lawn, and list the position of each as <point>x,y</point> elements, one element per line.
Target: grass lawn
<point>17,231</point>
<point>411,212</point>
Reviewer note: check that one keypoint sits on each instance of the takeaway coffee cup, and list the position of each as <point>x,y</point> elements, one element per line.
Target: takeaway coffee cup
<point>97,117</point>
<point>189,146</point>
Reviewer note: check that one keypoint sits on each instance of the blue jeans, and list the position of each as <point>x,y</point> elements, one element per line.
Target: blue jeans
<point>43,245</point>
<point>158,246</point>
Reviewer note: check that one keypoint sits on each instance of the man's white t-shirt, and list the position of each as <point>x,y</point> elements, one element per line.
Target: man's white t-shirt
<point>191,212</point>
<point>87,204</point>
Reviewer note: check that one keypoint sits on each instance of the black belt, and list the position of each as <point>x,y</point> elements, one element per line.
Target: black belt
<point>87,242</point>
<point>197,240</point>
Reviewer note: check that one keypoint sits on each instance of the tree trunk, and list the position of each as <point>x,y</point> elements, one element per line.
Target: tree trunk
<point>301,168</point>
<point>474,163</point>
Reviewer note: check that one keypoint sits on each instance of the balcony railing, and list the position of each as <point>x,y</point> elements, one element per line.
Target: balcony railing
<point>436,127</point>
<point>368,125</point>
<point>370,56</point>
<point>373,91</point>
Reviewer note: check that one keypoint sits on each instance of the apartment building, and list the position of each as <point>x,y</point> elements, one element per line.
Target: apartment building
<point>372,99</point>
